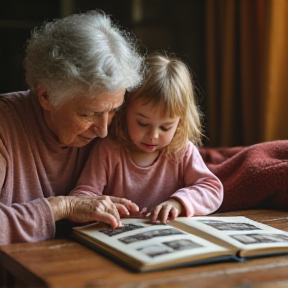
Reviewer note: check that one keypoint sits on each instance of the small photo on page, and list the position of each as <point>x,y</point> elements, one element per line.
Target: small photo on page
<point>149,235</point>
<point>168,247</point>
<point>125,228</point>
<point>260,238</point>
<point>229,226</point>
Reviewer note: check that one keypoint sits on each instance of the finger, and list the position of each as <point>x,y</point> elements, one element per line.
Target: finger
<point>155,213</point>
<point>113,202</point>
<point>114,212</point>
<point>139,215</point>
<point>122,209</point>
<point>106,208</point>
<point>131,206</point>
<point>165,212</point>
<point>145,213</point>
<point>107,218</point>
<point>174,213</point>
<point>144,210</point>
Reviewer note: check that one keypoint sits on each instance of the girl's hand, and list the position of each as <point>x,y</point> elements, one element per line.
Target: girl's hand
<point>167,210</point>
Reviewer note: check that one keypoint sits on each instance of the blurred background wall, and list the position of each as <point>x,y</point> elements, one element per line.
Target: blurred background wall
<point>236,50</point>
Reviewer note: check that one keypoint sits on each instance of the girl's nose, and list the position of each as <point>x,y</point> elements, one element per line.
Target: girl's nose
<point>153,133</point>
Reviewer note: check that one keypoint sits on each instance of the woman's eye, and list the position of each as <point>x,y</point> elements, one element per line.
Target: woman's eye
<point>86,117</point>
<point>112,112</point>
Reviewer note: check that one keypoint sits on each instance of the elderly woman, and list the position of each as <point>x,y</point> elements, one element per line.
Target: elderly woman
<point>78,69</point>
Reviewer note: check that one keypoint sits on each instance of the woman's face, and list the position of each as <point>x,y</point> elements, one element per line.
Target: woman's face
<point>81,119</point>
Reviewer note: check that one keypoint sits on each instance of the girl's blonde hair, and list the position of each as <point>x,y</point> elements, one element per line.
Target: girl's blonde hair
<point>168,85</point>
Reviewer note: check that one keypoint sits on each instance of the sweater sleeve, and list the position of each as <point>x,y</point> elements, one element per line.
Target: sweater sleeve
<point>27,222</point>
<point>22,222</point>
<point>203,192</point>
<point>93,178</point>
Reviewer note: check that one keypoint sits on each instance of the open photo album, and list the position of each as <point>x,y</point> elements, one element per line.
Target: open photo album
<point>144,246</point>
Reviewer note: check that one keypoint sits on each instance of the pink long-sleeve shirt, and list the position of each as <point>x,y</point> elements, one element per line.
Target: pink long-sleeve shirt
<point>110,171</point>
<point>33,166</point>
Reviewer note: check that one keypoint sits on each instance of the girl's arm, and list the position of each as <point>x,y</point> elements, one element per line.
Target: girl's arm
<point>93,180</point>
<point>203,191</point>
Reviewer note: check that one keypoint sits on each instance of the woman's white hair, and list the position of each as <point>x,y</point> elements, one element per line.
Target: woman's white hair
<point>80,53</point>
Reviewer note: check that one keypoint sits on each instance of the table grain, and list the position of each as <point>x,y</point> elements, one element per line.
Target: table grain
<point>66,263</point>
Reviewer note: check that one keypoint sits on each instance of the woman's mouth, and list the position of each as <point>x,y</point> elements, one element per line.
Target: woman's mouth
<point>86,139</point>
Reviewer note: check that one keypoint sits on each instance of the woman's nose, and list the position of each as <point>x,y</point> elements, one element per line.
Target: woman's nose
<point>100,126</point>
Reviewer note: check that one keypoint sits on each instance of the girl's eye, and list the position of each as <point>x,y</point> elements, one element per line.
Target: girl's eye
<point>142,124</point>
<point>165,129</point>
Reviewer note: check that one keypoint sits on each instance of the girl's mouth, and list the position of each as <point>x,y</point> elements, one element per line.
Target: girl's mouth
<point>149,147</point>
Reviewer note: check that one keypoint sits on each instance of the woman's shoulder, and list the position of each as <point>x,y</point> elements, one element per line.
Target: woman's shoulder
<point>13,108</point>
<point>13,102</point>
<point>14,97</point>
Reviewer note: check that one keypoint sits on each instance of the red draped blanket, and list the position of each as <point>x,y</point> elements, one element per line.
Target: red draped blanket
<point>253,177</point>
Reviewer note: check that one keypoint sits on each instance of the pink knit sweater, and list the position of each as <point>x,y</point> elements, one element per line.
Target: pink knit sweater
<point>110,170</point>
<point>33,166</point>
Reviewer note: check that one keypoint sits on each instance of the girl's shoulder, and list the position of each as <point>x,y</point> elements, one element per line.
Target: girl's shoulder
<point>189,149</point>
<point>187,152</point>
<point>107,144</point>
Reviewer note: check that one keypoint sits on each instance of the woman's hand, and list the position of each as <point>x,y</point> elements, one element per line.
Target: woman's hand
<point>166,211</point>
<point>83,209</point>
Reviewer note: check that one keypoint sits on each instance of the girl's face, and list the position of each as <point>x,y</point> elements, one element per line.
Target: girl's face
<point>81,119</point>
<point>149,128</point>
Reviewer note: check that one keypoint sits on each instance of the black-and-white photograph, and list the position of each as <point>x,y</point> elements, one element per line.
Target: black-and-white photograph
<point>227,226</point>
<point>125,228</point>
<point>260,238</point>
<point>154,250</point>
<point>182,244</point>
<point>149,235</point>
<point>169,247</point>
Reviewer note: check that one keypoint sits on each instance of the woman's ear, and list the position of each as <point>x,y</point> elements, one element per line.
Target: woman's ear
<point>43,96</point>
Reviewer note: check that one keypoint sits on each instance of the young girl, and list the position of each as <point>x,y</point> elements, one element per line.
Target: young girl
<point>150,155</point>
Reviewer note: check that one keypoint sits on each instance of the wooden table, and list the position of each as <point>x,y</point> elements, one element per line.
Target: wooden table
<point>66,263</point>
